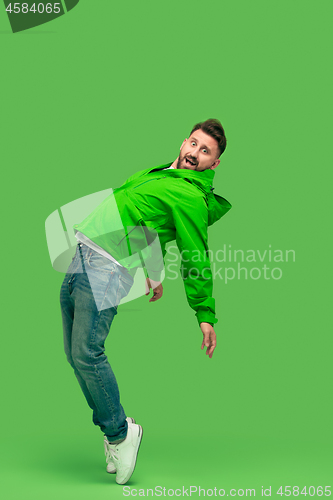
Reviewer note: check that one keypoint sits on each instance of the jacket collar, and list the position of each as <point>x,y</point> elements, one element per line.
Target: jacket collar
<point>217,205</point>
<point>204,180</point>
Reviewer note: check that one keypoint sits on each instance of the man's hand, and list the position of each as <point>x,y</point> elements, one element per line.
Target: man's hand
<point>156,286</point>
<point>209,338</point>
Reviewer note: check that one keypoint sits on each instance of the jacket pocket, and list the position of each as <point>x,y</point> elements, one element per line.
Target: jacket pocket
<point>128,233</point>
<point>145,182</point>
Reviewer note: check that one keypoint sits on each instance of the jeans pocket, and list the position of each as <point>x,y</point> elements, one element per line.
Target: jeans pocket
<point>96,260</point>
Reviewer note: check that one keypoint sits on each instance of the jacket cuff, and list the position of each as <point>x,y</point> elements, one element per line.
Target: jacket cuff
<point>206,317</point>
<point>155,275</point>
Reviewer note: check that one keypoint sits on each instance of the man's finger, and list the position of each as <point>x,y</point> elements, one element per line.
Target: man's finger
<point>205,341</point>
<point>157,295</point>
<point>158,292</point>
<point>211,349</point>
<point>209,343</point>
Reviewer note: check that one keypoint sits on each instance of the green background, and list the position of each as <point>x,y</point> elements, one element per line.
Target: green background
<point>89,99</point>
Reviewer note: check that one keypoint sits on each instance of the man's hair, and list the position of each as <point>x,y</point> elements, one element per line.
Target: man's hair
<point>213,128</point>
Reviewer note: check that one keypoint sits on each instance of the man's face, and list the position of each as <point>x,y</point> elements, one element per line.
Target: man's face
<point>199,152</point>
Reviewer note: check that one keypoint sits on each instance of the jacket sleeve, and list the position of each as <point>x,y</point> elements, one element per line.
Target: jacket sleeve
<point>191,224</point>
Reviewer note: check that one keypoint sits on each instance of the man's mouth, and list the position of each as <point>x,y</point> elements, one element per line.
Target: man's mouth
<point>190,162</point>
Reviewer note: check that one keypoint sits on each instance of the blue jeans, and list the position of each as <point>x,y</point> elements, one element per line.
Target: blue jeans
<point>89,297</point>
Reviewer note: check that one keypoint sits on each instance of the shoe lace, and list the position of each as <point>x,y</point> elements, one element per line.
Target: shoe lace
<point>107,450</point>
<point>110,453</point>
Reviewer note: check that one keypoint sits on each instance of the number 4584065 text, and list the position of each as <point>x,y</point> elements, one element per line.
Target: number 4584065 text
<point>38,8</point>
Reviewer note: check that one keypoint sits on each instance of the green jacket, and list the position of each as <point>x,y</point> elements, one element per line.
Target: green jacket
<point>174,204</point>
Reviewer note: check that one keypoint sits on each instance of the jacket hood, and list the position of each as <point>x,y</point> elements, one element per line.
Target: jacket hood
<point>217,205</point>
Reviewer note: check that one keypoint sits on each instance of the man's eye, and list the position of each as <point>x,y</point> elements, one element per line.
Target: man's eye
<point>204,151</point>
<point>193,143</point>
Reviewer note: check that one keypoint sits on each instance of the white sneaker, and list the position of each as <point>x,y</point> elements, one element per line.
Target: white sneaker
<point>110,468</point>
<point>125,453</point>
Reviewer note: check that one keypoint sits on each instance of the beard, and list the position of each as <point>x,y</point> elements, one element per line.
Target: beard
<point>181,159</point>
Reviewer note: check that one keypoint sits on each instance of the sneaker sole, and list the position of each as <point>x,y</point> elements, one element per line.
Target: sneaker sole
<point>114,470</point>
<point>130,473</point>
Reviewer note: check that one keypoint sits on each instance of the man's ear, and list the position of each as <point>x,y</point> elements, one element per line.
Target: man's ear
<point>215,164</point>
<point>182,144</point>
